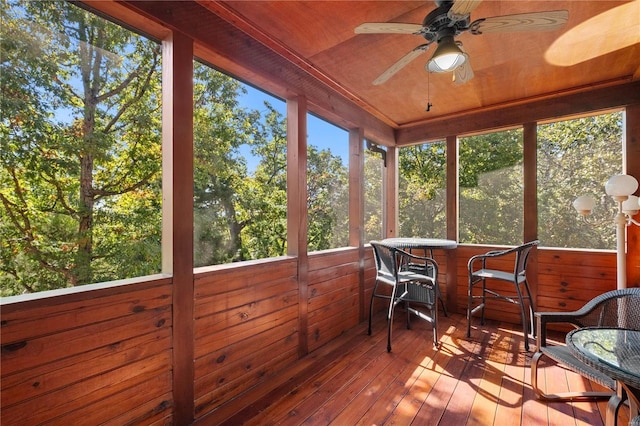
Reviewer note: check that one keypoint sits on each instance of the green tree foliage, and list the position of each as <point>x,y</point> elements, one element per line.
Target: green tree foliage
<point>241,214</point>
<point>80,158</point>
<point>327,200</point>
<point>491,189</point>
<point>373,196</point>
<point>265,208</point>
<point>422,195</point>
<point>221,127</point>
<point>576,157</point>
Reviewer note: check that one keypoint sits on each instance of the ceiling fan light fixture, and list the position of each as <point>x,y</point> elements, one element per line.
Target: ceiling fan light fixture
<point>447,57</point>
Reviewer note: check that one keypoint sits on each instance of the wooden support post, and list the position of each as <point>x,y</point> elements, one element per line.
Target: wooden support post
<point>297,218</point>
<point>177,245</point>
<point>452,189</point>
<point>356,207</point>
<point>632,163</point>
<point>530,210</point>
<point>390,194</point>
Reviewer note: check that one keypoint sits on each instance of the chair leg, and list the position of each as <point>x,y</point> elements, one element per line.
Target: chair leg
<point>531,309</point>
<point>613,406</point>
<point>469,305</point>
<point>484,300</point>
<point>434,315</point>
<point>392,305</point>
<point>565,396</point>
<point>373,295</point>
<point>444,308</point>
<point>525,323</point>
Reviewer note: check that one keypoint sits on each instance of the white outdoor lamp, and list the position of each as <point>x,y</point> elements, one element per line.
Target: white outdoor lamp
<point>620,188</point>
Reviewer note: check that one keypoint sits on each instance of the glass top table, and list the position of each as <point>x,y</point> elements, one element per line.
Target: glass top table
<point>616,353</point>
<point>425,244</point>
<point>420,243</point>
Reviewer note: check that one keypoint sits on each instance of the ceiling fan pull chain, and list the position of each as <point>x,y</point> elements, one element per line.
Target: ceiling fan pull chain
<point>429,104</point>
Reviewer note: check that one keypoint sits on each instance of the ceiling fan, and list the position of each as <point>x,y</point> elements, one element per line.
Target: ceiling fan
<point>449,19</point>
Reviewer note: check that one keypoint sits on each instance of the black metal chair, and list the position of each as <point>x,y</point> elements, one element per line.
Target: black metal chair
<point>406,285</point>
<point>617,308</point>
<point>421,267</point>
<point>480,270</point>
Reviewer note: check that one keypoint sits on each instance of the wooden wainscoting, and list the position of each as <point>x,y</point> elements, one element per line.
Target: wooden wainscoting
<point>333,295</point>
<point>102,355</point>
<point>246,327</point>
<point>560,279</point>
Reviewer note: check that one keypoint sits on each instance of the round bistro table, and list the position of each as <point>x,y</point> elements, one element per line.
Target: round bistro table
<point>616,353</point>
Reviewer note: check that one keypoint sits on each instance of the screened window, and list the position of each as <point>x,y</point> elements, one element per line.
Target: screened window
<point>80,181</point>
<point>327,185</point>
<point>422,190</point>
<point>240,197</point>
<point>577,157</point>
<point>491,188</point>
<point>374,191</point>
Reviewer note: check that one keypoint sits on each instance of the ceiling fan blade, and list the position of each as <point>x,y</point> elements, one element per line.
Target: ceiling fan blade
<point>462,8</point>
<point>393,69</point>
<point>535,21</point>
<point>463,73</point>
<point>388,28</point>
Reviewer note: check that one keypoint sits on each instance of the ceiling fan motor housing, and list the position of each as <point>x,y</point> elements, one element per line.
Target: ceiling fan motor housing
<point>438,24</point>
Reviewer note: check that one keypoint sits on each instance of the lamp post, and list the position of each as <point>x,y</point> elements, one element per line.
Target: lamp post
<point>620,188</point>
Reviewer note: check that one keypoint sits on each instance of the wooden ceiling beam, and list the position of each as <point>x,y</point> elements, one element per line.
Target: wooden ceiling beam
<point>610,95</point>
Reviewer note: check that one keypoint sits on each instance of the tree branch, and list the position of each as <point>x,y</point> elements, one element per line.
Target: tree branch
<point>122,86</point>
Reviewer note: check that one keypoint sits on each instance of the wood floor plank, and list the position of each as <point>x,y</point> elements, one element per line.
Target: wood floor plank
<point>437,403</point>
<point>423,368</point>
<point>352,380</point>
<point>371,393</point>
<point>342,349</point>
<point>487,392</point>
<point>342,357</point>
<point>361,375</point>
<point>511,398</point>
<point>478,385</point>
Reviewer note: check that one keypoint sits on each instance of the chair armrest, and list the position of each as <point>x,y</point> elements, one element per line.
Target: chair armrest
<point>405,258</point>
<point>545,318</point>
<point>484,256</point>
<point>574,317</point>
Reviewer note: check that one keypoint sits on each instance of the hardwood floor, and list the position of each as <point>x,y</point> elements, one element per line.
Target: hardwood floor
<point>483,380</point>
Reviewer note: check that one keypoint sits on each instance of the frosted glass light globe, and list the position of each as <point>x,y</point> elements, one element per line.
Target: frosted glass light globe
<point>584,204</point>
<point>621,185</point>
<point>631,205</point>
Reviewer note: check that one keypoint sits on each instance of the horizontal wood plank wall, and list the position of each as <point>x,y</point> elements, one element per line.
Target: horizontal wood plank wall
<point>246,329</point>
<point>89,357</point>
<point>333,302</point>
<point>369,278</point>
<point>566,280</point>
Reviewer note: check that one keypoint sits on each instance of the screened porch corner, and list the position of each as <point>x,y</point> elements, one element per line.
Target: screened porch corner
<point>282,339</point>
<point>263,346</point>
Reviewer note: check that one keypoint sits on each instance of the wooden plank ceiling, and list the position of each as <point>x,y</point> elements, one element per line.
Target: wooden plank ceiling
<point>310,47</point>
<point>599,45</point>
